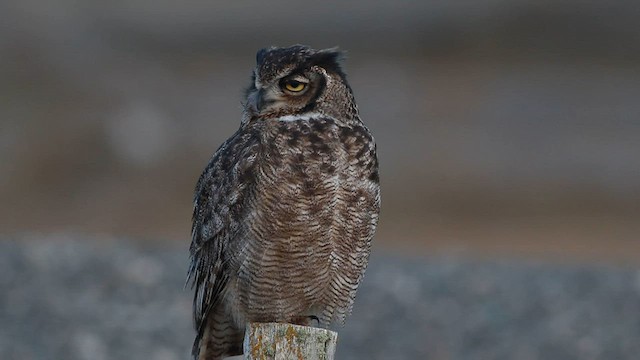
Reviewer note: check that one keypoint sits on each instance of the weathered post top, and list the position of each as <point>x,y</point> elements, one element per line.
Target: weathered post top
<point>276,341</point>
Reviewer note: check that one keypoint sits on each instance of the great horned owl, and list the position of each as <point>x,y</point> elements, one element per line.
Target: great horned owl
<point>285,211</point>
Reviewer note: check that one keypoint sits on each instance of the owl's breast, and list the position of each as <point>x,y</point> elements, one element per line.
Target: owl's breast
<point>319,161</point>
<point>315,208</point>
<point>305,166</point>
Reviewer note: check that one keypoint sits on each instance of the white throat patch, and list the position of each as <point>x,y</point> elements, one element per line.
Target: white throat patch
<point>302,117</point>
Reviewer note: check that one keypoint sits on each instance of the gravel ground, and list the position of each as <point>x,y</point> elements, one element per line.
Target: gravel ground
<point>69,298</point>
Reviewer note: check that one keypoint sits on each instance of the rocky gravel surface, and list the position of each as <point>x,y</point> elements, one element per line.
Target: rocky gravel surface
<point>89,298</point>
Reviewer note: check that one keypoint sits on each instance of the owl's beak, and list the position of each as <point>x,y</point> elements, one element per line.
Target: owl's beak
<point>260,101</point>
<point>257,101</point>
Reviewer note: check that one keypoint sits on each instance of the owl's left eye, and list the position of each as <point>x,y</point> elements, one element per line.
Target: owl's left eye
<point>294,85</point>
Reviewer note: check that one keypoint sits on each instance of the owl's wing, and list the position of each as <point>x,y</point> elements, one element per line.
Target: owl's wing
<point>218,213</point>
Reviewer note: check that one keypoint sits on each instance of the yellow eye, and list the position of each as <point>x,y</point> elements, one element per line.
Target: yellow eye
<point>294,86</point>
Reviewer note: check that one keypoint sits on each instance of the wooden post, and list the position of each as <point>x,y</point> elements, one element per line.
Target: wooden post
<point>276,341</point>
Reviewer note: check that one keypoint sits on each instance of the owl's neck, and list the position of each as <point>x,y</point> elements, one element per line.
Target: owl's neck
<point>346,110</point>
<point>316,114</point>
<point>311,115</point>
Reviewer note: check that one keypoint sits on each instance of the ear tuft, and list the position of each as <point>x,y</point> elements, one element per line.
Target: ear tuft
<point>260,55</point>
<point>330,59</point>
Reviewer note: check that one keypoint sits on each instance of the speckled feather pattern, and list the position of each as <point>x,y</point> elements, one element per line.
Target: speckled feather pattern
<point>286,209</point>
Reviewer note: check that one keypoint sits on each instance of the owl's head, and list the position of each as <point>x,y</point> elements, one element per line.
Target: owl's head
<point>298,80</point>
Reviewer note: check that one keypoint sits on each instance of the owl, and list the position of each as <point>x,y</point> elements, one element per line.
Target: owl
<point>285,211</point>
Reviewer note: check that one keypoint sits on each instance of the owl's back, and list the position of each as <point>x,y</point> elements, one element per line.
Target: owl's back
<point>285,212</point>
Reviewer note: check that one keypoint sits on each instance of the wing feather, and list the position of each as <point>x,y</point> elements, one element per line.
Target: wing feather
<point>218,212</point>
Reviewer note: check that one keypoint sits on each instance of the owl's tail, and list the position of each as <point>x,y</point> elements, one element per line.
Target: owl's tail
<point>218,337</point>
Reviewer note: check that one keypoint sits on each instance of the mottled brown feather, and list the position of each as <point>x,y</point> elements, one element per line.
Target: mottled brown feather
<point>286,209</point>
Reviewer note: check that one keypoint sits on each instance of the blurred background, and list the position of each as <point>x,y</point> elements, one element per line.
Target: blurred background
<point>505,129</point>
<point>502,126</point>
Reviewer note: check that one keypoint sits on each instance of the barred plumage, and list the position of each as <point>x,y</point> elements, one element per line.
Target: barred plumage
<point>286,209</point>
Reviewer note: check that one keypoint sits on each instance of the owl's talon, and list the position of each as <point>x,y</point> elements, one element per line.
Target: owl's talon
<point>315,318</point>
